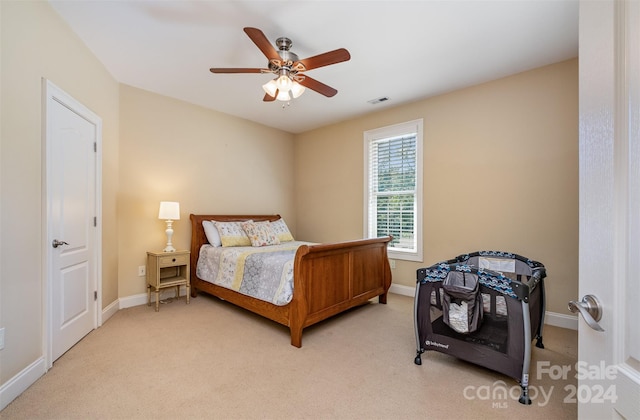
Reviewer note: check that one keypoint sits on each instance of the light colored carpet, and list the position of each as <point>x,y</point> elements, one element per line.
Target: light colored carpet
<point>212,360</point>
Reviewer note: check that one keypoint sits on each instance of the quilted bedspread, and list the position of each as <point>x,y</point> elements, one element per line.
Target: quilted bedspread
<point>264,273</point>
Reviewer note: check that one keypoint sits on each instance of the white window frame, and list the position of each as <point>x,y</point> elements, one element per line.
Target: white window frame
<point>369,227</point>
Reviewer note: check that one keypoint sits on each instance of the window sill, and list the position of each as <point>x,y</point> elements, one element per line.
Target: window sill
<point>406,256</point>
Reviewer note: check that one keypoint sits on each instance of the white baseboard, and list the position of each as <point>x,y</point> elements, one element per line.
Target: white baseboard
<point>15,386</point>
<point>569,322</point>
<point>141,299</point>
<point>130,301</point>
<point>110,310</point>
<point>550,318</point>
<point>399,289</point>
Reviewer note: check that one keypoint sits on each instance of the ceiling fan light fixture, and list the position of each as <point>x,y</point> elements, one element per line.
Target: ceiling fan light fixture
<point>297,89</point>
<point>270,88</point>
<point>284,83</point>
<point>283,96</point>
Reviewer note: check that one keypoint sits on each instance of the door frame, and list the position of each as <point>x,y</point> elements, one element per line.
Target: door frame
<point>52,92</point>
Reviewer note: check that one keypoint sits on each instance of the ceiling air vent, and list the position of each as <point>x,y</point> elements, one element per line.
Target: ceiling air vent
<point>378,100</point>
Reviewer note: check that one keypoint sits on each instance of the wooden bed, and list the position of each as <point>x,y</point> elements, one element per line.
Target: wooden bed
<point>328,278</point>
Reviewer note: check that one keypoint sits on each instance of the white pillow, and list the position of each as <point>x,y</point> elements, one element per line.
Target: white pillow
<point>212,233</point>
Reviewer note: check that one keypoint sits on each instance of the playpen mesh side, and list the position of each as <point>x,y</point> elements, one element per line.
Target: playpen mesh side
<point>516,268</point>
<point>493,331</point>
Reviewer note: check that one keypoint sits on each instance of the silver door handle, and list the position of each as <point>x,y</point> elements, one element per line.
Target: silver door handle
<point>590,309</point>
<point>56,243</point>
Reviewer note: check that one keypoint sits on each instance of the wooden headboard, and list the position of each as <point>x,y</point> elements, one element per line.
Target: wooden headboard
<point>198,238</point>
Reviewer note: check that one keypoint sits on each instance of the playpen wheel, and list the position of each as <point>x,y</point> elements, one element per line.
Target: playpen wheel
<point>418,360</point>
<point>539,343</point>
<point>524,397</point>
<point>525,400</point>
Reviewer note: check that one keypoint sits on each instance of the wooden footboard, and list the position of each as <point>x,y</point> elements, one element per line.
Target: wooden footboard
<point>328,278</point>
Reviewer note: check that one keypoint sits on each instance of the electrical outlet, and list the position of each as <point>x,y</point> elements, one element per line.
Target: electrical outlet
<point>392,263</point>
<point>1,338</point>
<point>142,270</point>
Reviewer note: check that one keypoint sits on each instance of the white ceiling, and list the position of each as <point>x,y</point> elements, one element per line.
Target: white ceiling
<point>403,50</point>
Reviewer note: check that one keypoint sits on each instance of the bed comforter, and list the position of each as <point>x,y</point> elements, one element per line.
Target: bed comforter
<point>265,273</point>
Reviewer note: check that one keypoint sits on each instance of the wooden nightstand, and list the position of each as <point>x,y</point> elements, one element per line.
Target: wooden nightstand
<point>167,269</point>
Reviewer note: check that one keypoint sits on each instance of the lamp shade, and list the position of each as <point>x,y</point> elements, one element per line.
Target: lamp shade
<point>169,210</point>
<point>284,83</point>
<point>270,88</point>
<point>283,96</point>
<point>297,89</point>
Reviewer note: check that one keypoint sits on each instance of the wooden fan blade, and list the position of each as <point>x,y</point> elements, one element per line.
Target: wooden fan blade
<point>261,41</point>
<point>269,98</point>
<point>328,58</point>
<point>319,87</point>
<point>232,70</point>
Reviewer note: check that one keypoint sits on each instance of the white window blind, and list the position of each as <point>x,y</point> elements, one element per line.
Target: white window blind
<point>393,187</point>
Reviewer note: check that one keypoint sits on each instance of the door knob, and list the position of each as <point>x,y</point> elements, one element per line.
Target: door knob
<point>590,309</point>
<point>56,243</point>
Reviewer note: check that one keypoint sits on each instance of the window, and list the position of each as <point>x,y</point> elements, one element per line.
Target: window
<point>393,188</point>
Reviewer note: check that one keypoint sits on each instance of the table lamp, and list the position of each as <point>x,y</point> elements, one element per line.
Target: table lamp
<point>169,211</point>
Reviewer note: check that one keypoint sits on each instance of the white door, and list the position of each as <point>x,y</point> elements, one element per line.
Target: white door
<point>608,368</point>
<point>71,173</point>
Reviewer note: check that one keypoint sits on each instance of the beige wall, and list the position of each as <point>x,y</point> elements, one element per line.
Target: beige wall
<point>36,44</point>
<point>211,163</point>
<point>500,173</point>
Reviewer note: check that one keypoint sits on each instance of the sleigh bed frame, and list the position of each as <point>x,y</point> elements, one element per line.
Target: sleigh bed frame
<point>328,278</point>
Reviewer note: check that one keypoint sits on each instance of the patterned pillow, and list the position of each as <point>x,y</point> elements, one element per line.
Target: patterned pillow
<point>281,229</point>
<point>232,234</point>
<point>260,233</point>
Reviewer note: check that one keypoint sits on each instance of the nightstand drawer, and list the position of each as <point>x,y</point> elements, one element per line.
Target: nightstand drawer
<point>172,260</point>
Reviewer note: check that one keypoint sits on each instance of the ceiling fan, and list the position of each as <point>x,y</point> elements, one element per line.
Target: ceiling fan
<point>289,69</point>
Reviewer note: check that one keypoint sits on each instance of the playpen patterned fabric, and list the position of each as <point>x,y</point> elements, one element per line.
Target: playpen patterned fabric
<point>490,279</point>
